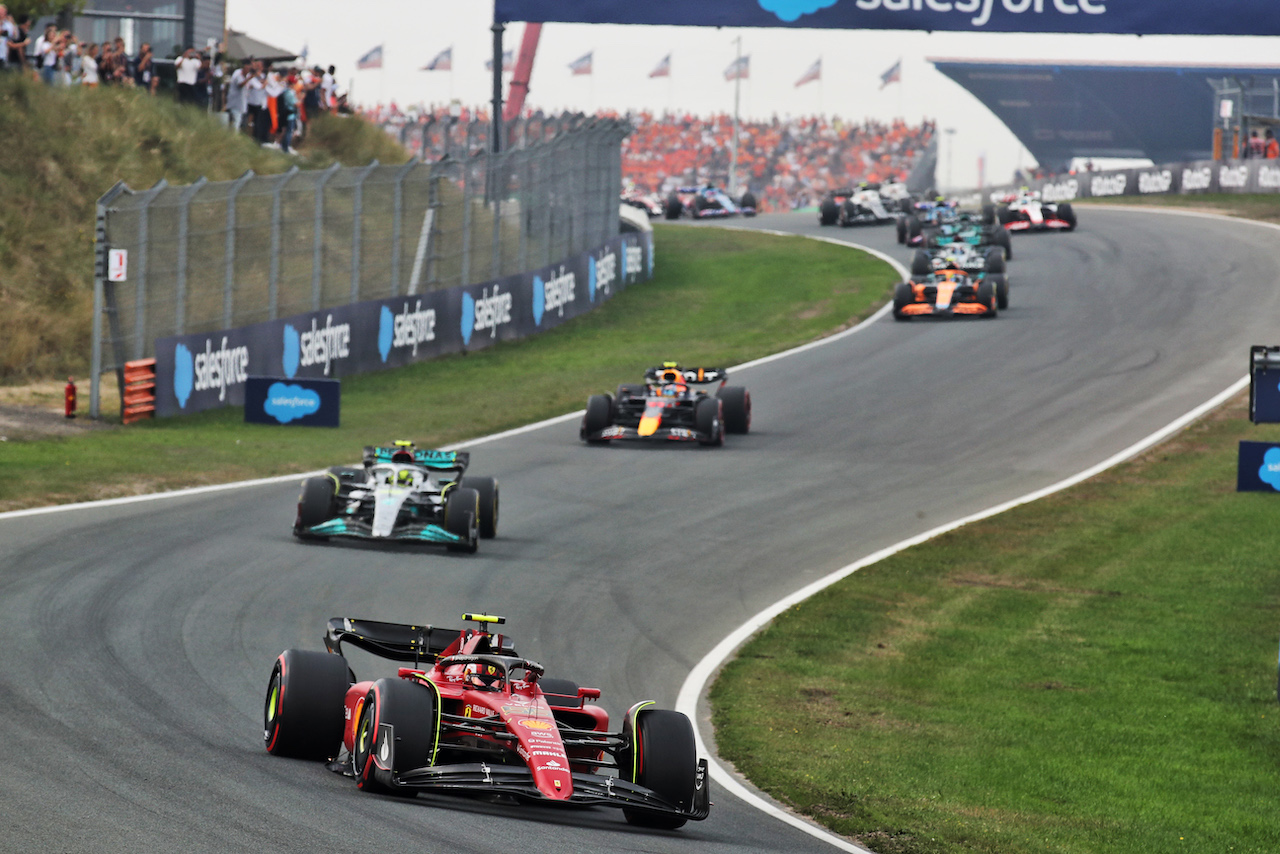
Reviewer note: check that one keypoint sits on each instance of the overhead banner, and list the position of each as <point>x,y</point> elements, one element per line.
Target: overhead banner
<point>1141,17</point>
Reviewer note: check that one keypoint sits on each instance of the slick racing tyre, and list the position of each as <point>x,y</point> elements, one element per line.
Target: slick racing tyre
<point>708,420</point>
<point>673,207</point>
<point>664,760</point>
<point>748,203</point>
<point>461,518</point>
<point>1001,283</point>
<point>316,504</point>
<point>303,713</point>
<point>828,212</point>
<point>987,296</point>
<point>903,296</point>
<point>902,229</point>
<point>1067,215</point>
<point>920,264</point>
<point>487,489</point>
<point>995,260</point>
<point>737,408</point>
<point>1001,239</point>
<point>988,214</point>
<point>599,416</point>
<point>913,229</point>
<point>397,731</point>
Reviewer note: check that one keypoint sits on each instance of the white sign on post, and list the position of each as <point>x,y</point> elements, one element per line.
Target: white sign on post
<point>117,265</point>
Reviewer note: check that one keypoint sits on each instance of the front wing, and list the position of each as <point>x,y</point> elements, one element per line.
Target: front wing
<point>673,434</point>
<point>360,530</point>
<point>588,789</point>
<point>956,309</point>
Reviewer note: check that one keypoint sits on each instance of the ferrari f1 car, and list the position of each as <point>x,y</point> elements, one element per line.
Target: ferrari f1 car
<point>954,284</point>
<point>1026,211</point>
<point>708,202</point>
<point>674,404</point>
<point>860,206</point>
<point>401,494</point>
<point>467,714</point>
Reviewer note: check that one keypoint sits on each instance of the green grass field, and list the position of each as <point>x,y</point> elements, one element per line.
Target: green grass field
<point>718,298</point>
<point>1094,672</point>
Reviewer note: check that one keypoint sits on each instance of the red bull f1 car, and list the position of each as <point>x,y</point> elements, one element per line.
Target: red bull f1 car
<point>466,714</point>
<point>673,404</point>
<point>401,494</point>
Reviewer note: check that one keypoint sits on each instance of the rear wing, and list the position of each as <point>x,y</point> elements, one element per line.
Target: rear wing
<point>434,460</point>
<point>399,641</point>
<point>695,376</point>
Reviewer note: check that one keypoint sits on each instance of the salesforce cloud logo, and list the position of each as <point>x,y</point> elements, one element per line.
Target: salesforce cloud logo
<point>292,350</point>
<point>790,10</point>
<point>468,317</point>
<point>1269,473</point>
<point>539,299</point>
<point>387,331</point>
<point>183,374</point>
<point>287,403</point>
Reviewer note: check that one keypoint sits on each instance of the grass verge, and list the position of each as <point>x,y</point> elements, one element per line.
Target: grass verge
<point>718,298</point>
<point>1093,672</point>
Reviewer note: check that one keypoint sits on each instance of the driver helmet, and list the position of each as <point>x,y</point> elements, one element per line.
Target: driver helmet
<point>483,677</point>
<point>671,382</point>
<point>404,477</point>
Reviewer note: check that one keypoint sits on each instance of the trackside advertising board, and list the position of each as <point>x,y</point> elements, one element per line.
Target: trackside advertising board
<point>1258,467</point>
<point>1192,178</point>
<point>208,370</point>
<point>1142,17</point>
<point>297,402</point>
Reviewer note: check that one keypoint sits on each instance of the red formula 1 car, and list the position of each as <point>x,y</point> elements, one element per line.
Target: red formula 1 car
<point>674,404</point>
<point>470,715</point>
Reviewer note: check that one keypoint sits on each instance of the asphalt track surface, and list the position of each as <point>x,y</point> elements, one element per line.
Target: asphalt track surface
<point>138,638</point>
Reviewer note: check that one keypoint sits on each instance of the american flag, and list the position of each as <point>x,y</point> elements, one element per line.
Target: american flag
<point>814,73</point>
<point>663,68</point>
<point>508,61</point>
<point>442,62</point>
<point>372,59</point>
<point>581,65</point>
<point>893,75</point>
<point>739,69</point>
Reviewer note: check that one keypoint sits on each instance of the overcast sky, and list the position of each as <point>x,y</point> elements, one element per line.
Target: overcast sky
<point>412,33</point>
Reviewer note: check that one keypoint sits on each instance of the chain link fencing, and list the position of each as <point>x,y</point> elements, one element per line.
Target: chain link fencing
<point>217,255</point>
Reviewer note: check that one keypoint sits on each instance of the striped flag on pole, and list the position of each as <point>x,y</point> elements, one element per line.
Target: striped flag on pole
<point>814,73</point>
<point>372,59</point>
<point>442,62</point>
<point>663,68</point>
<point>581,65</point>
<point>739,69</point>
<point>508,61</point>
<point>893,75</point>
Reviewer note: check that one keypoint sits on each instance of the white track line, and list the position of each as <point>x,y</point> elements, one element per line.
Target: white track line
<point>528,428</point>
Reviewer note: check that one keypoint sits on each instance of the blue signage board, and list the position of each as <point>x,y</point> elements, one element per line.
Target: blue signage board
<point>1258,467</point>
<point>298,402</point>
<point>1141,17</point>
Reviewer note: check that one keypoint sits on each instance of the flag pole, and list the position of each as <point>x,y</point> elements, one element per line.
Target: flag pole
<point>737,97</point>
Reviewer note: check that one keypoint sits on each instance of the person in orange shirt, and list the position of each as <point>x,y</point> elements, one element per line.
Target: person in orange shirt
<point>1272,145</point>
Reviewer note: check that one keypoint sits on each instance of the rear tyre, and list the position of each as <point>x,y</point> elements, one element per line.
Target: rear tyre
<point>1067,215</point>
<point>317,503</point>
<point>708,421</point>
<point>913,229</point>
<point>397,732</point>
<point>920,263</point>
<point>665,762</point>
<point>995,260</point>
<point>1002,240</point>
<point>461,518</point>
<point>673,207</point>
<point>737,408</point>
<point>903,296</point>
<point>748,203</point>
<point>599,416</point>
<point>902,229</point>
<point>988,214</point>
<point>487,489</point>
<point>303,715</point>
<point>1001,284</point>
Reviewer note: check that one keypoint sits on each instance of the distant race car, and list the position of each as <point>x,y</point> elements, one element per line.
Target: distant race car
<point>467,715</point>
<point>943,286</point>
<point>922,215</point>
<point>673,404</point>
<point>1026,211</point>
<point>401,494</point>
<point>652,205</point>
<point>707,203</point>
<point>848,206</point>
<point>959,226</point>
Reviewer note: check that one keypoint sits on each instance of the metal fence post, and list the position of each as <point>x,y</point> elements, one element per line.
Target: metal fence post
<point>184,218</point>
<point>273,276</point>
<point>317,248</point>
<point>357,208</point>
<point>228,287</point>
<point>397,226</point>
<point>140,277</point>
<point>466,215</point>
<point>100,249</point>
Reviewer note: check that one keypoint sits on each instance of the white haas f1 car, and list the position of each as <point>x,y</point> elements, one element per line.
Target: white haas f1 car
<point>401,494</point>
<point>861,206</point>
<point>673,404</point>
<point>1026,211</point>
<point>467,715</point>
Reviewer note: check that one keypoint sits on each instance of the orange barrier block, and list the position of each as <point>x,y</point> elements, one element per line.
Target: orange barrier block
<point>139,390</point>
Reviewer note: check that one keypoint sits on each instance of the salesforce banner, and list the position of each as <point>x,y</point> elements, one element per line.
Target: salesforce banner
<point>207,370</point>
<point>1142,17</point>
<point>1201,176</point>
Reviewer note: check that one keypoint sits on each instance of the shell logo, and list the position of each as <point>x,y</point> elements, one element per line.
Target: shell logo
<point>534,724</point>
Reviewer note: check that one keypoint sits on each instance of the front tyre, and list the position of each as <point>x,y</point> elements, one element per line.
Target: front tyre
<point>599,416</point>
<point>317,503</point>
<point>664,760</point>
<point>398,731</point>
<point>303,714</point>
<point>903,296</point>
<point>487,489</point>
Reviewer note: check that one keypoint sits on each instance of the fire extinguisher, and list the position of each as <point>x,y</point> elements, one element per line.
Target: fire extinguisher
<point>69,397</point>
